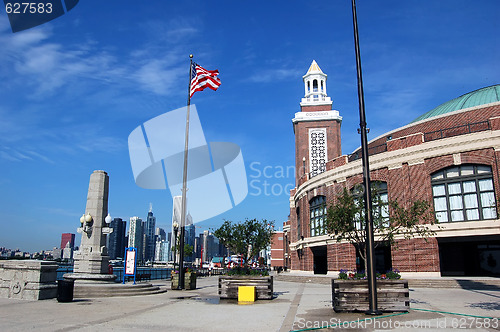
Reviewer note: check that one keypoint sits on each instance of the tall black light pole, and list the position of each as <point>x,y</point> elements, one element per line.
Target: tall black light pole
<point>372,282</point>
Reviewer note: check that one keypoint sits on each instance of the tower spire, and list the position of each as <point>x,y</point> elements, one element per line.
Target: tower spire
<point>150,207</point>
<point>315,87</point>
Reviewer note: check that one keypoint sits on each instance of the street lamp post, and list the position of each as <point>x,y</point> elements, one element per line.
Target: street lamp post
<point>372,286</point>
<point>176,229</point>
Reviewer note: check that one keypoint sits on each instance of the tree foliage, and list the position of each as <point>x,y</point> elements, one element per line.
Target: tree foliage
<point>246,238</point>
<point>391,220</point>
<point>188,249</point>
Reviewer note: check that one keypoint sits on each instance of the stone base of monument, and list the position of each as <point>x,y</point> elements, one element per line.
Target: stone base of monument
<point>103,285</point>
<point>28,280</point>
<point>90,277</point>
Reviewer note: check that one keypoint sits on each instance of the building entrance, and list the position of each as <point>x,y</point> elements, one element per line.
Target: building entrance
<point>320,260</point>
<point>383,259</point>
<point>469,256</point>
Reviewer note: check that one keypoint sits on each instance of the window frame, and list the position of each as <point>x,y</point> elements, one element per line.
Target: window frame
<point>443,178</point>
<point>317,213</point>
<point>381,187</point>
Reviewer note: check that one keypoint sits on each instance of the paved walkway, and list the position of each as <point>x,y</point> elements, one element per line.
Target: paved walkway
<point>297,306</point>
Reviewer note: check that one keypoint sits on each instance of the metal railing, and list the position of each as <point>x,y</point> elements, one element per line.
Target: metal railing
<point>371,151</point>
<point>457,130</point>
<point>468,128</point>
<point>148,273</point>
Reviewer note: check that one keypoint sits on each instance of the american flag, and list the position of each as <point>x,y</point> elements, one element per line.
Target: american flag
<point>202,78</point>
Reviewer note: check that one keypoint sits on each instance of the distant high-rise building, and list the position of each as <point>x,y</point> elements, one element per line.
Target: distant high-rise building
<point>116,240</point>
<point>160,238</point>
<point>67,251</point>
<point>197,247</point>
<point>160,233</point>
<point>223,251</point>
<point>67,237</point>
<point>149,232</point>
<point>210,248</point>
<point>189,236</point>
<point>135,235</point>
<point>165,251</point>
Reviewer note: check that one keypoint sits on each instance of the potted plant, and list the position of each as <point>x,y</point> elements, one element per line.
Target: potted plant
<point>189,279</point>
<point>350,292</point>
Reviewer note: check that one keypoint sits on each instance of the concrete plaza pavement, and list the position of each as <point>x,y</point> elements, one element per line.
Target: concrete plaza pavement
<point>296,306</point>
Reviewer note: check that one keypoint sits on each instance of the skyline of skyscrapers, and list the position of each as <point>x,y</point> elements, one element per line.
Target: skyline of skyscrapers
<point>153,243</point>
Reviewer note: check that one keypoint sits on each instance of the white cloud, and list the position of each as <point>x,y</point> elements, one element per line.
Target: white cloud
<point>47,71</point>
<point>156,77</point>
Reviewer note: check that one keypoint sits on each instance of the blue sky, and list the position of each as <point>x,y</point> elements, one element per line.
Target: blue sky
<point>74,88</point>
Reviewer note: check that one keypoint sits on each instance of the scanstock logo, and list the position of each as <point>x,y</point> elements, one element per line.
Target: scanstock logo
<point>216,177</point>
<point>26,14</point>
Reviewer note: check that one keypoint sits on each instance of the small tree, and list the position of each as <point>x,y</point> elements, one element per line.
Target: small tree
<point>188,249</point>
<point>346,220</point>
<point>246,238</point>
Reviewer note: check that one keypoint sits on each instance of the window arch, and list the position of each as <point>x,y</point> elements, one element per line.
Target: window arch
<point>380,206</point>
<point>317,207</point>
<point>464,193</point>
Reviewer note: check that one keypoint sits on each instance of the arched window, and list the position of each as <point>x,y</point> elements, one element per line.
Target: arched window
<point>464,193</point>
<point>317,207</point>
<point>380,207</point>
<point>315,85</point>
<point>308,86</point>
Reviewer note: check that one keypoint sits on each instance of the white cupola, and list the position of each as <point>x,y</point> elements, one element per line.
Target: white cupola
<point>315,87</point>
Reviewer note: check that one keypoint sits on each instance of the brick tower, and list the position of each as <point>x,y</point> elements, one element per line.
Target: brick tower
<point>316,128</point>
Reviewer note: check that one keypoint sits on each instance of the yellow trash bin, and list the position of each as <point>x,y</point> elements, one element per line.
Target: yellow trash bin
<point>246,293</point>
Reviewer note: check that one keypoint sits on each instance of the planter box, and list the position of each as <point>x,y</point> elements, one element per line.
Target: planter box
<point>352,295</point>
<point>189,280</point>
<point>228,286</point>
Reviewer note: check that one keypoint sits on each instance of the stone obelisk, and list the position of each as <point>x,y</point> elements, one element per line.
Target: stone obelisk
<point>92,260</point>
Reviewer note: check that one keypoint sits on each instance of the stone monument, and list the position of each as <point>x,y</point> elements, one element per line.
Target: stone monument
<point>92,260</point>
<point>90,271</point>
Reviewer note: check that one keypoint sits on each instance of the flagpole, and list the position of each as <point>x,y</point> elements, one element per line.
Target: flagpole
<point>184,182</point>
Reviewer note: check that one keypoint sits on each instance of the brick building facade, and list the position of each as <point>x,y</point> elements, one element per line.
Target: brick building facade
<point>278,250</point>
<point>449,156</point>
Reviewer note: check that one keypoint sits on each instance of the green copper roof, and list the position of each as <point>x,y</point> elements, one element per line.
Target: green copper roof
<point>482,96</point>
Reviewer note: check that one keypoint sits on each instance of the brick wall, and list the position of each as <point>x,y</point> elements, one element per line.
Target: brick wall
<point>341,256</point>
<point>304,262</point>
<point>302,143</point>
<point>317,108</point>
<point>416,255</point>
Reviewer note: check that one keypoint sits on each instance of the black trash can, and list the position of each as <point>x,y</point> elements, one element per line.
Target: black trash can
<point>65,290</point>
